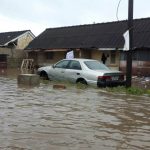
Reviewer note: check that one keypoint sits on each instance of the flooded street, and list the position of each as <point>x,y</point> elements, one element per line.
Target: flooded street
<point>43,118</point>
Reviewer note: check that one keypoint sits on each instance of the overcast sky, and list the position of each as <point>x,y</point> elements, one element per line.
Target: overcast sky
<point>37,15</point>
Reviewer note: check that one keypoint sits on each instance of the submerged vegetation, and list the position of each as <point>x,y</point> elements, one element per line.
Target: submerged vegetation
<point>118,90</point>
<point>131,90</point>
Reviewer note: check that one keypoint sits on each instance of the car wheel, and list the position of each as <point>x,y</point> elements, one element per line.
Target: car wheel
<point>81,81</point>
<point>43,75</point>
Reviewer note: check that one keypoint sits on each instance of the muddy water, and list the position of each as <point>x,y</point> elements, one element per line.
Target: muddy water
<point>43,118</point>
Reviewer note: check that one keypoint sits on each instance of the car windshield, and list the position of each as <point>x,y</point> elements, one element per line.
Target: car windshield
<point>95,65</point>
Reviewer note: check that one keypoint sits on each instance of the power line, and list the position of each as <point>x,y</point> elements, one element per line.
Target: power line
<point>118,9</point>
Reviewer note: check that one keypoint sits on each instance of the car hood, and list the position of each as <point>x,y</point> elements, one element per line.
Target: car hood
<point>44,68</point>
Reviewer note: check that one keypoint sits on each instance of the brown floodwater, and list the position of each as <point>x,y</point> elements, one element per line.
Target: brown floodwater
<point>43,118</point>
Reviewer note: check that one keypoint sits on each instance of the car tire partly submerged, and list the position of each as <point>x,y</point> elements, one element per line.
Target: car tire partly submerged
<point>43,75</point>
<point>81,81</point>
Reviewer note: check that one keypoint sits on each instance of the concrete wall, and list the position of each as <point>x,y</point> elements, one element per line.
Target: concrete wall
<point>140,62</point>
<point>86,53</point>
<point>40,56</point>
<point>24,40</point>
<point>140,68</point>
<point>97,54</point>
<point>13,53</point>
<point>41,60</point>
<point>5,51</point>
<point>56,57</point>
<point>115,65</point>
<point>16,54</point>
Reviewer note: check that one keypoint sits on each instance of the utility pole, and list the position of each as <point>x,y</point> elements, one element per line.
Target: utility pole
<point>129,53</point>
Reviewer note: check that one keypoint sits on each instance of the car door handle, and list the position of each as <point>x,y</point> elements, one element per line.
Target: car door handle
<point>78,73</point>
<point>62,71</point>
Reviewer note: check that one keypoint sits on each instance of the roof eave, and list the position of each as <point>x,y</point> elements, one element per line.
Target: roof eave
<point>109,49</point>
<point>32,35</point>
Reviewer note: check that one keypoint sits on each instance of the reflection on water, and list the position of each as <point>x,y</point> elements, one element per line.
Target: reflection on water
<point>43,118</point>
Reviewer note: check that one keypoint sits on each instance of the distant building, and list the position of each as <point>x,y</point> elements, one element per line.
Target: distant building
<point>93,40</point>
<point>11,47</point>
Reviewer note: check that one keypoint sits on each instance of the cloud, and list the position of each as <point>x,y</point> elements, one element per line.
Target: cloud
<point>8,24</point>
<point>38,15</point>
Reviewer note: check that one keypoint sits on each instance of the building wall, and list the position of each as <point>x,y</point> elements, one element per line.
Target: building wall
<point>113,57</point>
<point>13,53</point>
<point>140,62</point>
<point>41,59</point>
<point>139,68</point>
<point>96,55</point>
<point>141,59</point>
<point>5,51</point>
<point>85,53</point>
<point>16,54</point>
<point>24,40</point>
<point>112,61</point>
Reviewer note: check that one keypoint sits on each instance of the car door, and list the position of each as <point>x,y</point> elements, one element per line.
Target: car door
<point>73,71</point>
<point>59,70</point>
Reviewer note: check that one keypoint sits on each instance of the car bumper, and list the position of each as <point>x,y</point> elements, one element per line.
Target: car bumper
<point>110,83</point>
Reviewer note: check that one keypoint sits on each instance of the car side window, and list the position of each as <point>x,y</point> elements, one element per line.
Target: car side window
<point>62,64</point>
<point>74,65</point>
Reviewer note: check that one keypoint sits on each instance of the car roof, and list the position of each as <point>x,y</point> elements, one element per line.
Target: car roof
<point>81,59</point>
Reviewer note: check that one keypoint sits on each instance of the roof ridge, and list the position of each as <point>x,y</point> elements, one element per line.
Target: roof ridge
<point>100,35</point>
<point>15,31</point>
<point>102,23</point>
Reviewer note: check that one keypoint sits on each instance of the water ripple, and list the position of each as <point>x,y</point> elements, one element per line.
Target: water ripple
<point>86,119</point>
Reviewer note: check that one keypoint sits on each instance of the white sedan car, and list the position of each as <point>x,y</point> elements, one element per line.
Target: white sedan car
<point>85,71</point>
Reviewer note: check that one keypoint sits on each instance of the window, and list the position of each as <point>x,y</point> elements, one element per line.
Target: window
<point>3,58</point>
<point>113,57</point>
<point>49,55</point>
<point>74,65</point>
<point>95,65</point>
<point>62,64</point>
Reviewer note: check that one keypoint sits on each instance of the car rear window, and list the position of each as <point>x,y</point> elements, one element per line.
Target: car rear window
<point>96,65</point>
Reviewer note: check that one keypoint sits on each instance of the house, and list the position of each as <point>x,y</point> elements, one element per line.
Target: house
<point>12,46</point>
<point>93,41</point>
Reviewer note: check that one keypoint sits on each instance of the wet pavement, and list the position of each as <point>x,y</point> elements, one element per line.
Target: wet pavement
<point>43,118</point>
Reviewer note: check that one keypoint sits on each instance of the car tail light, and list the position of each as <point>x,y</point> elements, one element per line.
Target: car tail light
<point>106,78</point>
